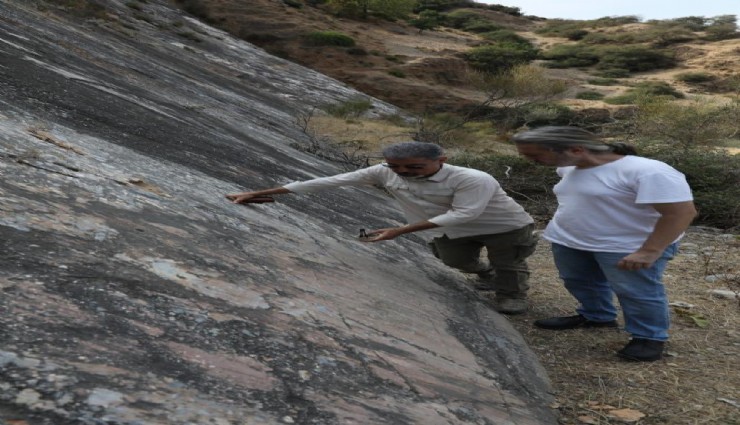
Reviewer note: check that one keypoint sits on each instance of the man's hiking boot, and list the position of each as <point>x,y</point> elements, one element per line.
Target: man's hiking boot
<point>505,305</point>
<point>510,305</point>
<point>572,322</point>
<point>642,350</point>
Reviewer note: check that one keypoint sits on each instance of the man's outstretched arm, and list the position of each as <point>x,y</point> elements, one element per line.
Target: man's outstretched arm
<point>393,232</point>
<point>239,198</point>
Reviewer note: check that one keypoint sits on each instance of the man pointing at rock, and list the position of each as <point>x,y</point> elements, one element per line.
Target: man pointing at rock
<point>459,211</point>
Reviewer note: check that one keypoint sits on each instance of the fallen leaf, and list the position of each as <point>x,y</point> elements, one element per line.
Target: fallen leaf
<point>588,420</point>
<point>626,415</point>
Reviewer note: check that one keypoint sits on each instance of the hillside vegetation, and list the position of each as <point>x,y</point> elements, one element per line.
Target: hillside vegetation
<point>475,73</point>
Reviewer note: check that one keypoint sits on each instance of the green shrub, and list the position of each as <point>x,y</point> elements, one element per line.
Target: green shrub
<point>590,95</point>
<point>351,108</point>
<point>459,18</point>
<point>505,36</point>
<point>613,73</point>
<point>397,73</point>
<point>575,34</point>
<point>629,98</point>
<point>657,88</point>
<point>695,77</point>
<point>329,38</point>
<point>545,113</point>
<point>645,90</point>
<point>603,81</point>
<point>570,56</point>
<point>635,59</point>
<point>499,57</point>
<point>561,27</point>
<point>480,25</point>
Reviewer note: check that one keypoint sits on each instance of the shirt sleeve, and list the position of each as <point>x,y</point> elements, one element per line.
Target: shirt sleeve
<point>469,201</point>
<point>365,177</point>
<point>667,186</point>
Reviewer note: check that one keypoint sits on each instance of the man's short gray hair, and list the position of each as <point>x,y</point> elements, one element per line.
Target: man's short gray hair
<point>405,150</point>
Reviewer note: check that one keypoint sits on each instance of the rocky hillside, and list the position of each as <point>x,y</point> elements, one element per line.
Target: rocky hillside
<point>425,71</point>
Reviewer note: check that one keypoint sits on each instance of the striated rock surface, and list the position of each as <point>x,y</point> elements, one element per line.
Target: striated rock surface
<point>132,292</point>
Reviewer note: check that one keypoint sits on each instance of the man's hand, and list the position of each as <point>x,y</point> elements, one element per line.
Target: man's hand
<point>383,234</point>
<point>258,196</point>
<point>639,260</point>
<point>239,198</point>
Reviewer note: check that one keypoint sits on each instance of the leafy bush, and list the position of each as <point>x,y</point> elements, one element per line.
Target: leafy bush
<point>645,90</point>
<point>590,95</point>
<point>498,57</point>
<point>397,73</point>
<point>603,81</point>
<point>695,77</point>
<point>575,34</point>
<point>570,56</point>
<point>480,25</point>
<point>504,35</point>
<point>351,108</point>
<point>427,20</point>
<point>459,18</point>
<point>635,59</point>
<point>723,27</point>
<point>329,38</point>
<point>657,88</point>
<point>568,28</point>
<point>613,73</point>
<point>545,113</point>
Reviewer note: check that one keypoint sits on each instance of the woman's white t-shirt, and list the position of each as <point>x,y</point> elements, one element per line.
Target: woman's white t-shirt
<point>607,208</point>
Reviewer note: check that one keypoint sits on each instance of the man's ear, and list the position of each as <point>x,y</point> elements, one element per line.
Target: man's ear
<point>442,159</point>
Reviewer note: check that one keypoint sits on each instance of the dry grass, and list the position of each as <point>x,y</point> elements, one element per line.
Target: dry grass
<point>695,384</point>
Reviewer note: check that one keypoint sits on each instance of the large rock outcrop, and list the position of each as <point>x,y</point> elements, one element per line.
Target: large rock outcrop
<point>134,293</point>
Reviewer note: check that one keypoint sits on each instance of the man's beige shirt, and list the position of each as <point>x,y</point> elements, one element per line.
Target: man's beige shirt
<point>462,201</point>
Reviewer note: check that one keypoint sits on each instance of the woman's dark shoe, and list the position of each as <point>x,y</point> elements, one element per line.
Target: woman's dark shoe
<point>572,322</point>
<point>642,350</point>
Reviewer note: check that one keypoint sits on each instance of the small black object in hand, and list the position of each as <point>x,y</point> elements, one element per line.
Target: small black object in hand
<point>363,234</point>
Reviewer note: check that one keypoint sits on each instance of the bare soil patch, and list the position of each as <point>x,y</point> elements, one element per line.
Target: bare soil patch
<point>695,384</point>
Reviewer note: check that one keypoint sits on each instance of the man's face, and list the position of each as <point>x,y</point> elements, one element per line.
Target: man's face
<point>415,167</point>
<point>546,156</point>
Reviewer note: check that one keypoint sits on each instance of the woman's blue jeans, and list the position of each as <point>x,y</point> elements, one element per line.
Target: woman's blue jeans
<point>593,279</point>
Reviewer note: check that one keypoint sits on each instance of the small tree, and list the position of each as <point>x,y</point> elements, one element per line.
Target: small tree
<point>495,58</point>
<point>427,20</point>
<point>391,9</point>
<point>512,94</point>
<point>688,126</point>
<point>722,27</point>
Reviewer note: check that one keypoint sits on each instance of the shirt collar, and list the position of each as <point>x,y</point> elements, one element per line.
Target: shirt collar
<point>440,175</point>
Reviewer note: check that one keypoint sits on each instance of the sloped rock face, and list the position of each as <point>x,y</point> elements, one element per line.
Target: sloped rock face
<point>133,293</point>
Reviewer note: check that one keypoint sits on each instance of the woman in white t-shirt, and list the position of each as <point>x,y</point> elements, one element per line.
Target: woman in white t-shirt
<point>618,222</point>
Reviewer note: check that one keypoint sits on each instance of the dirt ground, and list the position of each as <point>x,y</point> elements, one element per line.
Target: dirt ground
<point>697,383</point>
